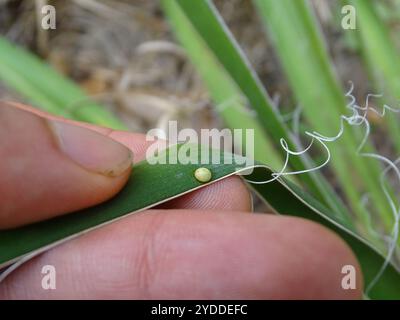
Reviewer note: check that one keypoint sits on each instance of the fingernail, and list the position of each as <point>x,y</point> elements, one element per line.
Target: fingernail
<point>91,150</point>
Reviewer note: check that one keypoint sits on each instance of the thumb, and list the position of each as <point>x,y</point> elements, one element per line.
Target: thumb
<point>49,167</point>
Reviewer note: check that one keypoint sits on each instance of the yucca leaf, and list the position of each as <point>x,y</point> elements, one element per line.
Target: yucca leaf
<point>151,184</point>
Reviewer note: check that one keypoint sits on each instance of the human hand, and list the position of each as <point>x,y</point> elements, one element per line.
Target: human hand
<point>203,245</point>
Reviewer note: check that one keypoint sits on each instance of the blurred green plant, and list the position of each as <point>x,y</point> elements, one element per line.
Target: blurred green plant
<point>381,58</point>
<point>39,83</point>
<point>321,97</point>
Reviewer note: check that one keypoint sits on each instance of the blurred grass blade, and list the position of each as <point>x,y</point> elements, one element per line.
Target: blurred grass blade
<point>48,90</point>
<point>222,89</point>
<point>382,59</point>
<point>210,26</point>
<point>151,184</point>
<point>305,60</point>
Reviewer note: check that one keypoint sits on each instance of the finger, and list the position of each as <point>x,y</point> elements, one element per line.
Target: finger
<point>176,255</point>
<point>50,167</point>
<point>228,194</point>
<point>136,142</point>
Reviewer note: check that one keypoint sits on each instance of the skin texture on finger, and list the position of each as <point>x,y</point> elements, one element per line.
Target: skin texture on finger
<point>228,194</point>
<point>49,168</point>
<point>204,255</point>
